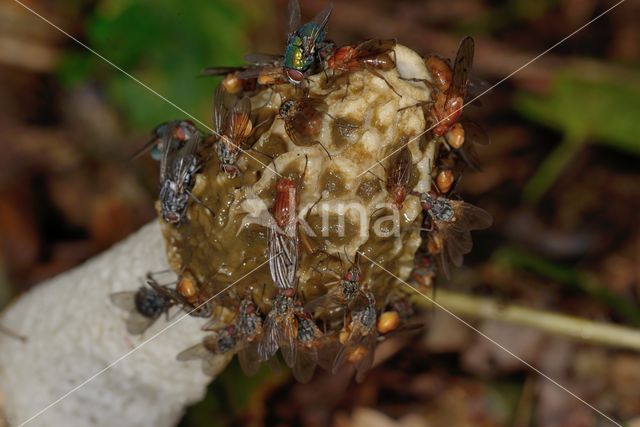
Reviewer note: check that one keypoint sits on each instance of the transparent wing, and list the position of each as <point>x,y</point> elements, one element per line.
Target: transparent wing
<point>219,114</point>
<point>475,133</point>
<point>353,344</point>
<point>305,126</point>
<point>305,364</point>
<point>375,47</point>
<point>470,217</point>
<point>249,358</point>
<point>166,160</point>
<point>195,352</point>
<point>328,352</point>
<point>462,66</point>
<point>294,17</point>
<point>469,155</point>
<point>137,323</point>
<point>365,364</point>
<point>443,262</point>
<point>339,360</point>
<point>213,364</point>
<point>345,128</point>
<point>325,301</point>
<point>283,258</point>
<point>400,169</point>
<point>321,20</point>
<point>124,300</point>
<point>317,104</point>
<point>262,71</point>
<point>239,123</point>
<point>457,244</point>
<point>219,71</point>
<point>268,344</point>
<point>263,59</point>
<point>287,339</point>
<point>476,87</point>
<point>145,147</point>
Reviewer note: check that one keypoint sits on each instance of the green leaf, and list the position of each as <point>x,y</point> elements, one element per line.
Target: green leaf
<point>604,110</point>
<point>165,45</point>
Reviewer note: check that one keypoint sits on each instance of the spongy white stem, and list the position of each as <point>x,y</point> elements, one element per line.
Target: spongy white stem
<point>74,332</point>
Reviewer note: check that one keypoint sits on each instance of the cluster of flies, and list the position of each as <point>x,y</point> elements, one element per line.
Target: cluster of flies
<point>292,327</point>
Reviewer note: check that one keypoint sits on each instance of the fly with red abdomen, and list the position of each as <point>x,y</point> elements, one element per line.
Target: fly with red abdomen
<point>447,107</point>
<point>399,175</point>
<point>283,235</point>
<point>233,128</point>
<point>372,55</point>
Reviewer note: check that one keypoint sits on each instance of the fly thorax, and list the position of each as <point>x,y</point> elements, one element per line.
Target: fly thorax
<point>306,329</point>
<point>349,289</point>
<point>441,210</point>
<point>282,304</point>
<point>286,108</point>
<point>226,341</point>
<point>149,303</point>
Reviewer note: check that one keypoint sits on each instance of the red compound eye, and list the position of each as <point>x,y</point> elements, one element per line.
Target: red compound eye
<point>294,76</point>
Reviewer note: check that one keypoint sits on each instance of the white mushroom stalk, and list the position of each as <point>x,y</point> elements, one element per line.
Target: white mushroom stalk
<point>77,342</point>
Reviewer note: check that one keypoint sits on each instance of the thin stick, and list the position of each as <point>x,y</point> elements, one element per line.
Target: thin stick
<point>607,334</point>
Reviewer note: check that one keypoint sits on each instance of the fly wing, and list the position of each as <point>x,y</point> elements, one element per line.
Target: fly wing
<point>268,344</point>
<point>219,114</point>
<point>462,66</point>
<point>249,358</point>
<point>328,352</point>
<point>316,104</point>
<point>443,262</point>
<point>283,258</point>
<point>324,302</point>
<point>195,352</point>
<point>219,71</point>
<point>124,300</point>
<point>353,342</point>
<point>305,125</point>
<point>263,59</point>
<point>365,364</point>
<point>305,365</point>
<point>213,364</point>
<point>294,17</point>
<point>400,170</point>
<point>287,339</point>
<point>470,217</point>
<point>475,133</point>
<point>457,244</point>
<point>273,71</point>
<point>167,159</point>
<point>320,20</point>
<point>191,147</point>
<point>137,323</point>
<point>239,123</point>
<point>145,147</point>
<point>345,128</point>
<point>373,47</point>
<point>476,88</point>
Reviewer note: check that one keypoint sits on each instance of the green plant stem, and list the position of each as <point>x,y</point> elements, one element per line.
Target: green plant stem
<point>552,166</point>
<point>607,334</point>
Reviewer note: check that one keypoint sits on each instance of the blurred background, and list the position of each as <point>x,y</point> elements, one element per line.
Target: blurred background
<point>561,179</point>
